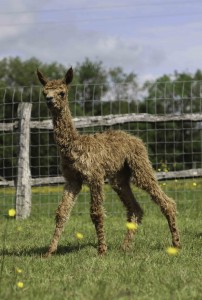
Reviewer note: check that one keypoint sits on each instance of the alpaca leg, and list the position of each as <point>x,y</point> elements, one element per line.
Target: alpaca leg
<point>97,215</point>
<point>168,208</point>
<point>134,211</point>
<point>63,212</point>
<point>145,179</point>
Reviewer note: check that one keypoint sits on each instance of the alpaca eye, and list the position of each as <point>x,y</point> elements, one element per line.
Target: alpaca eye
<point>62,94</point>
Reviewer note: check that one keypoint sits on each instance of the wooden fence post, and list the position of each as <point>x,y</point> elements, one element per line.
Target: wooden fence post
<point>23,184</point>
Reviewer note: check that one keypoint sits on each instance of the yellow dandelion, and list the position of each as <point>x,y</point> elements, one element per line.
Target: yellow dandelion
<point>194,184</point>
<point>18,270</point>
<point>164,183</point>
<point>12,212</point>
<point>20,284</point>
<point>172,250</point>
<point>79,236</point>
<point>131,226</point>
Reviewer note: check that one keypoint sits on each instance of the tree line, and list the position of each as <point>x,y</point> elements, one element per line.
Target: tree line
<point>95,91</point>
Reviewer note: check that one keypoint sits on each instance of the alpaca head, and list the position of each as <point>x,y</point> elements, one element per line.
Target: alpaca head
<point>55,91</point>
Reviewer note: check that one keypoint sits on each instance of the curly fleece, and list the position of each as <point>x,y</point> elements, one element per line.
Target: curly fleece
<point>91,158</point>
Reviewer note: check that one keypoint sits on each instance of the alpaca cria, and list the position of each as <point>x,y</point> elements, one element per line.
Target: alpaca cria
<point>90,159</point>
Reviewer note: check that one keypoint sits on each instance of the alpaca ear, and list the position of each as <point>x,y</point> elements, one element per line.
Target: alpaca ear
<point>41,78</point>
<point>69,76</point>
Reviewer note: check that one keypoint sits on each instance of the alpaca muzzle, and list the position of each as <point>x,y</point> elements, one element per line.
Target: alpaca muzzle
<point>49,101</point>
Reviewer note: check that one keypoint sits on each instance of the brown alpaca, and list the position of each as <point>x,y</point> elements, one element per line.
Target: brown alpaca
<point>90,159</point>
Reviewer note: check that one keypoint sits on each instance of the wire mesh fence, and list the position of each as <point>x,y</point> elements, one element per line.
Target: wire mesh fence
<point>171,129</point>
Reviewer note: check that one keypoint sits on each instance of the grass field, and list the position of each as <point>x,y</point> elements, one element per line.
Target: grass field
<point>147,271</point>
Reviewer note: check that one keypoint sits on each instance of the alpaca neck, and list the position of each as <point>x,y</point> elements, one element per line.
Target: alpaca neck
<point>64,130</point>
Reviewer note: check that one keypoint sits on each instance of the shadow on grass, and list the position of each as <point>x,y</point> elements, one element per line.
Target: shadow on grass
<point>62,250</point>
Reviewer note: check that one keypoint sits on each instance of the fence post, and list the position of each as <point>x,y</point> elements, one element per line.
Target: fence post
<point>23,184</point>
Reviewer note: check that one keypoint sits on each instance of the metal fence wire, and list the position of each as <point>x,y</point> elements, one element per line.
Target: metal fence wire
<point>167,116</point>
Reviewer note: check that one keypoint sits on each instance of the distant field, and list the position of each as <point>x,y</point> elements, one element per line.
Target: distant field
<point>45,199</point>
<point>76,272</point>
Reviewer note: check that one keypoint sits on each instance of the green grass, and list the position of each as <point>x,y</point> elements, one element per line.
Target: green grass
<point>76,272</point>
<point>45,199</point>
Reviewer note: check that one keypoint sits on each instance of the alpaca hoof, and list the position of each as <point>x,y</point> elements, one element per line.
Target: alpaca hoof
<point>47,255</point>
<point>177,244</point>
<point>102,250</point>
<point>125,247</point>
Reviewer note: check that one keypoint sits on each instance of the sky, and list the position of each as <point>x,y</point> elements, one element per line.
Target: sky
<point>148,37</point>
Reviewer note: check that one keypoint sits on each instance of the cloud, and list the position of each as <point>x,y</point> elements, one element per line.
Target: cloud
<point>69,44</point>
<point>14,13</point>
<point>149,47</point>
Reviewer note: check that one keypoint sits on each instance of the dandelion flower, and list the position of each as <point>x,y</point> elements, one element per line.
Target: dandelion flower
<point>172,250</point>
<point>12,212</point>
<point>164,183</point>
<point>194,184</point>
<point>20,284</point>
<point>79,236</point>
<point>18,270</point>
<point>131,226</point>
